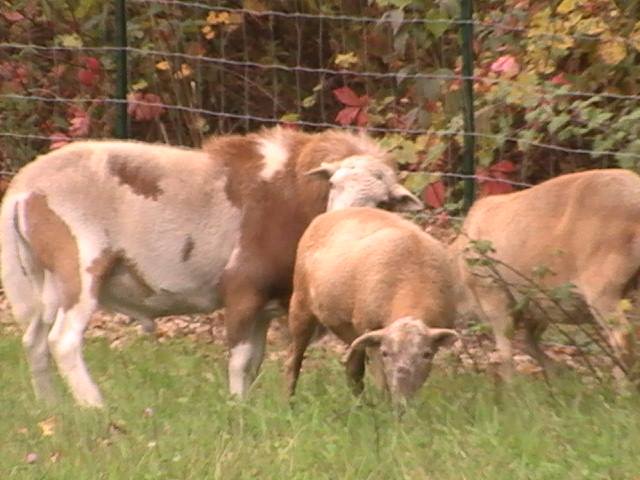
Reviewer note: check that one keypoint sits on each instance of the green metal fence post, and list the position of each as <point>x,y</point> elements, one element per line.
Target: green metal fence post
<point>122,127</point>
<point>468,164</point>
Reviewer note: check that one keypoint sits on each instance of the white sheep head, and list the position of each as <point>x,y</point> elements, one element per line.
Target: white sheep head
<point>406,348</point>
<point>365,181</point>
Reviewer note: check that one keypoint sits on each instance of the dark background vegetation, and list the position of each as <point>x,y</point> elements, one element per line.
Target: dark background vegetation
<point>562,73</point>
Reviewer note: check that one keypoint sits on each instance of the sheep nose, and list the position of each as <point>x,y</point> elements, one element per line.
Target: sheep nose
<point>403,371</point>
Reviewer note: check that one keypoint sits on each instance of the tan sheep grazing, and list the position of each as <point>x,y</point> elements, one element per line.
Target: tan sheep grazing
<point>375,280</point>
<point>584,228</point>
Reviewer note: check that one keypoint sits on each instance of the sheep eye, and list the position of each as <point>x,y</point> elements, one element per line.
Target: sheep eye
<point>384,353</point>
<point>427,354</point>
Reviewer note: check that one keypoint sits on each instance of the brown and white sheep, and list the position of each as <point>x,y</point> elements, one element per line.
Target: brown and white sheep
<point>375,280</point>
<point>151,230</point>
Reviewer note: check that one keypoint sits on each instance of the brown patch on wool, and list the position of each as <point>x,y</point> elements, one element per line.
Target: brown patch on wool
<point>54,246</point>
<point>136,175</point>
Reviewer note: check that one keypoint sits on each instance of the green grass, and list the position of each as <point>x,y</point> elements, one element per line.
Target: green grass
<point>457,429</point>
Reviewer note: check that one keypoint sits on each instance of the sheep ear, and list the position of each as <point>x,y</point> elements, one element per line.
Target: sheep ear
<point>443,337</point>
<point>324,171</point>
<point>369,339</point>
<point>403,200</point>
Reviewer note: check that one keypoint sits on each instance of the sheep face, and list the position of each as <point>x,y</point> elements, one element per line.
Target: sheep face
<point>407,348</point>
<point>363,181</point>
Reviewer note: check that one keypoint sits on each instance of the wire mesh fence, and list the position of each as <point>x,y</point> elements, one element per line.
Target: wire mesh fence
<point>556,86</point>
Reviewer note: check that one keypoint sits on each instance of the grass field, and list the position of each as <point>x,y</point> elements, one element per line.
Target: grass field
<point>169,418</point>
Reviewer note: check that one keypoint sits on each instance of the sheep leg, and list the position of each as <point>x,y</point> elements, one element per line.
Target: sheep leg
<point>533,332</point>
<point>494,308</point>
<point>246,337</point>
<point>603,285</point>
<point>65,342</point>
<point>39,314</point>
<point>615,323</point>
<point>36,348</point>
<point>302,326</point>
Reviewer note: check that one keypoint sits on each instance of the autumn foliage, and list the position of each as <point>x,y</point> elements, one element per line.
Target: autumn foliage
<point>547,74</point>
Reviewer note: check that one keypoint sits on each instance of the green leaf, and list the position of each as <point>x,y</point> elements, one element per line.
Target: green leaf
<point>85,7</point>
<point>541,271</point>
<point>562,292</point>
<point>482,246</point>
<point>428,88</point>
<point>435,152</point>
<point>395,18</point>
<point>629,161</point>
<point>400,43</point>
<point>417,181</point>
<point>405,152</point>
<point>558,122</point>
<point>434,23</point>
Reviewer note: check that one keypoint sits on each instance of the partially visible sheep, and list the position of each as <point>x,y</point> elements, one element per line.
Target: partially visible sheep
<point>376,281</point>
<point>585,229</point>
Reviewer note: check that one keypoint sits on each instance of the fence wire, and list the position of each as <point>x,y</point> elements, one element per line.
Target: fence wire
<point>198,69</point>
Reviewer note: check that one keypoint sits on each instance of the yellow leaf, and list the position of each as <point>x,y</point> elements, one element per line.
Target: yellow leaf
<point>346,60</point>
<point>591,26</point>
<point>139,85</point>
<point>217,18</point>
<point>208,32</point>
<point>574,18</point>
<point>625,305</point>
<point>48,426</point>
<point>69,40</point>
<point>539,23</point>
<point>566,6</point>
<point>163,65</point>
<point>563,42</point>
<point>612,50</point>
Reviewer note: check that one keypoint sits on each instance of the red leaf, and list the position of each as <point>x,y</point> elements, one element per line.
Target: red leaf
<point>87,77</point>
<point>347,115</point>
<point>92,64</point>
<point>492,187</point>
<point>80,125</point>
<point>348,97</point>
<point>144,107</point>
<point>362,119</point>
<point>560,79</point>
<point>12,16</point>
<point>434,194</point>
<point>503,166</point>
<point>506,65</point>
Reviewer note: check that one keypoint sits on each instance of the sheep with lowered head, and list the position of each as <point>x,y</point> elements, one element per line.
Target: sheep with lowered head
<point>375,280</point>
<point>581,229</point>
